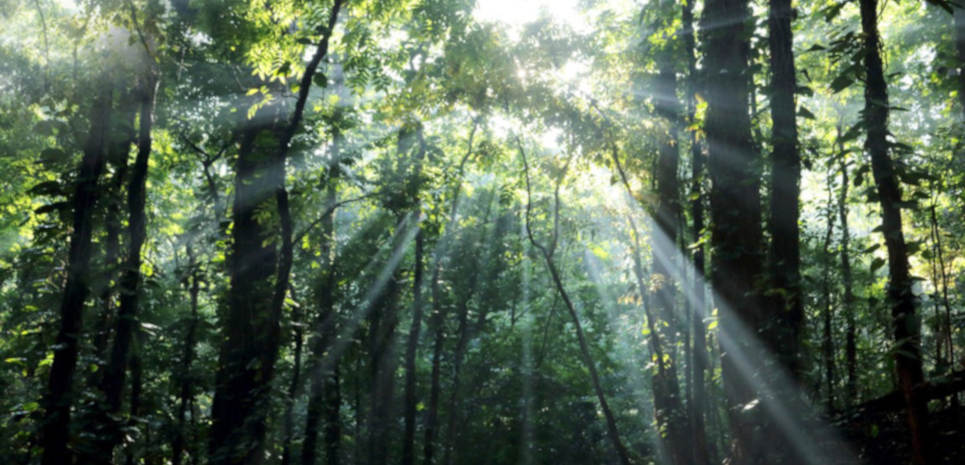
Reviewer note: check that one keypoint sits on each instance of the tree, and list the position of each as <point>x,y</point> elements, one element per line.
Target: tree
<point>901,299</point>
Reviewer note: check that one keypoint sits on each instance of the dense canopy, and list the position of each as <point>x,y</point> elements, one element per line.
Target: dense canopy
<point>456,232</point>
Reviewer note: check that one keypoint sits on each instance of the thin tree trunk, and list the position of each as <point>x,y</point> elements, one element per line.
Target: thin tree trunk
<point>959,22</point>
<point>943,276</point>
<point>850,346</point>
<point>437,320</point>
<point>137,389</point>
<point>907,350</point>
<point>437,323</point>
<point>547,252</point>
<point>408,438</point>
<point>58,400</point>
<point>458,355</point>
<point>827,340</point>
<point>412,344</point>
<point>185,391</point>
<point>382,344</point>
<point>325,326</point>
<point>293,387</point>
<point>698,364</point>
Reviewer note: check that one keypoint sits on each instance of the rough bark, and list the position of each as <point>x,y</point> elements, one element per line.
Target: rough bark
<point>907,350</point>
<point>58,400</point>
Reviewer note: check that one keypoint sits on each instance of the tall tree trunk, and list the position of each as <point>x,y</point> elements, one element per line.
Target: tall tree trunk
<point>698,363</point>
<point>137,390</point>
<point>959,21</point>
<point>255,300</point>
<point>827,339</point>
<point>57,402</point>
<point>438,317</point>
<point>186,389</point>
<point>664,243</point>
<point>412,344</point>
<point>129,284</point>
<point>943,277</point>
<point>325,326</point>
<point>783,201</point>
<point>382,349</point>
<point>117,155</point>
<point>408,437</point>
<point>463,336</point>
<point>437,323</point>
<point>907,350</point>
<point>735,213</point>
<point>850,346</point>
<point>293,388</point>
<point>247,357</point>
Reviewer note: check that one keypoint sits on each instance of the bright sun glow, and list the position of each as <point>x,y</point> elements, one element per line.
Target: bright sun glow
<point>516,13</point>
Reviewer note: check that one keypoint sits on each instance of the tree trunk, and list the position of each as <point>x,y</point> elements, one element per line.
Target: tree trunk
<point>117,155</point>
<point>57,402</point>
<point>128,287</point>
<point>247,357</point>
<point>827,339</point>
<point>437,323</point>
<point>408,438</point>
<point>289,421</point>
<point>671,416</point>
<point>850,346</point>
<point>783,202</point>
<point>735,213</point>
<point>137,389</point>
<point>907,350</point>
<point>943,277</point>
<point>547,252</point>
<point>326,323</point>
<point>959,21</point>
<point>698,363</point>
<point>382,349</point>
<point>186,389</point>
<point>252,325</point>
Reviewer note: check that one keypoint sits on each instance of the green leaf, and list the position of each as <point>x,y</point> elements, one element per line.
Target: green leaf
<point>805,113</point>
<point>320,80</point>
<point>841,82</point>
<point>876,264</point>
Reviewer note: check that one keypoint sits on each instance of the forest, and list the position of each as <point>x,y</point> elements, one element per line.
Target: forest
<point>482,232</point>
